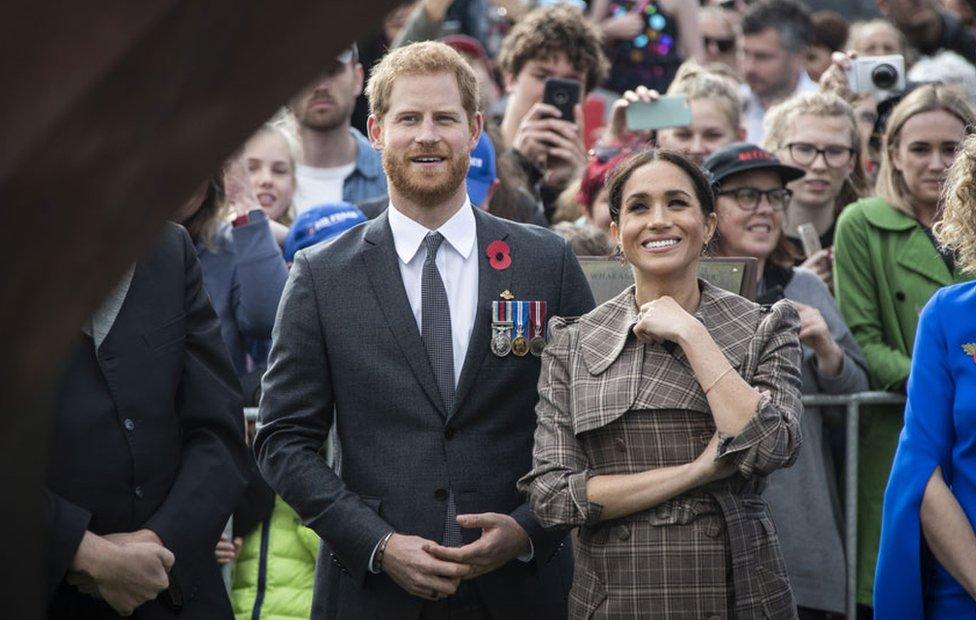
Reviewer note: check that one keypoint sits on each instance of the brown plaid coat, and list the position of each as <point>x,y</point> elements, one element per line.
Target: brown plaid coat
<point>609,404</point>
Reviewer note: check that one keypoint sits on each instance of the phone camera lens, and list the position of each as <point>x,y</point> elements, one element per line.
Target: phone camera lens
<point>884,76</point>
<point>560,98</point>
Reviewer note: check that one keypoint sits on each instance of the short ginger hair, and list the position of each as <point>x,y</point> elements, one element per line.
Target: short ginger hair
<point>549,31</point>
<point>422,58</point>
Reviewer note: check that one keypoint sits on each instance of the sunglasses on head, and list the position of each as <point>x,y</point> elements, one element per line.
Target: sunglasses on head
<point>723,45</point>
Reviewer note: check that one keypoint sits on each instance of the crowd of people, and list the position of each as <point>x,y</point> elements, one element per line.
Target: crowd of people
<point>388,268</point>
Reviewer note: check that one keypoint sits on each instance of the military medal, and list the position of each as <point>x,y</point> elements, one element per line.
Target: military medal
<point>520,346</point>
<point>538,319</point>
<point>501,326</point>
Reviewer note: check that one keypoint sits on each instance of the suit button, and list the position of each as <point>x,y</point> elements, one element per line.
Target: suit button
<point>620,445</point>
<point>663,512</point>
<point>440,494</point>
<point>900,296</point>
<point>623,532</point>
<point>705,438</point>
<point>138,492</point>
<point>449,432</point>
<point>129,424</point>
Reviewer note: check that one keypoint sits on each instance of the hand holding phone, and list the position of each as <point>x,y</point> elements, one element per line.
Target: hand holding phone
<point>666,111</point>
<point>562,95</point>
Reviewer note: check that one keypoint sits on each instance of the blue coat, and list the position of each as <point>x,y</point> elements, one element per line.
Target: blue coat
<point>940,431</point>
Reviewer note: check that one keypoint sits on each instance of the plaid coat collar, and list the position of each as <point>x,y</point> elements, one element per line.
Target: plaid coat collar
<point>730,319</point>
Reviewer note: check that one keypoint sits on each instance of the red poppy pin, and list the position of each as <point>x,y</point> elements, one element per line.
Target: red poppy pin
<point>498,255</point>
<point>970,350</point>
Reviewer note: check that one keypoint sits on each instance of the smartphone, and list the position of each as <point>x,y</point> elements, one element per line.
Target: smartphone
<point>563,94</point>
<point>809,239</point>
<point>667,111</point>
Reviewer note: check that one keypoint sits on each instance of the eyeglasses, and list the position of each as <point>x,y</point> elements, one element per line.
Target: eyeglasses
<point>748,198</point>
<point>723,45</point>
<point>804,154</point>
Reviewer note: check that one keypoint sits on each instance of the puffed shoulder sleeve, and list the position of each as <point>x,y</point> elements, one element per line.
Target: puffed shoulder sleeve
<point>556,486</point>
<point>771,439</point>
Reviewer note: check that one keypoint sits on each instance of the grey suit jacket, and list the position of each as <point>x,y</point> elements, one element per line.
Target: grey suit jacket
<point>347,351</point>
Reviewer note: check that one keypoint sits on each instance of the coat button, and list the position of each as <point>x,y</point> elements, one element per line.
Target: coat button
<point>440,494</point>
<point>138,492</point>
<point>129,424</point>
<point>619,444</point>
<point>449,432</point>
<point>663,512</point>
<point>705,438</point>
<point>900,296</point>
<point>623,532</point>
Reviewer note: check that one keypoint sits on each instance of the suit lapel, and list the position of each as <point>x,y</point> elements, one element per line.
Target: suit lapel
<point>491,283</point>
<point>383,270</point>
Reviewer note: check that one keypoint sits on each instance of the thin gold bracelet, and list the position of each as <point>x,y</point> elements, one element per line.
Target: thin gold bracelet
<point>718,378</point>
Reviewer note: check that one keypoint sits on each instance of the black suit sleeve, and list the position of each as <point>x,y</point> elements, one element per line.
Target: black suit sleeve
<point>211,479</point>
<point>65,524</point>
<point>575,299</point>
<point>297,411</point>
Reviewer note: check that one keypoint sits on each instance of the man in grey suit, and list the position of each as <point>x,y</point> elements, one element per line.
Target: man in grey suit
<point>387,332</point>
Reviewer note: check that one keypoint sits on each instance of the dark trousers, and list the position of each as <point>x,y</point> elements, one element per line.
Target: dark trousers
<point>465,604</point>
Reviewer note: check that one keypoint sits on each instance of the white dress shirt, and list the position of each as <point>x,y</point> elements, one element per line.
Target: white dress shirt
<point>457,263</point>
<point>754,112</point>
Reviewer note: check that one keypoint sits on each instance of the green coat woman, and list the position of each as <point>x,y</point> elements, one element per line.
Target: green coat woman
<point>886,268</point>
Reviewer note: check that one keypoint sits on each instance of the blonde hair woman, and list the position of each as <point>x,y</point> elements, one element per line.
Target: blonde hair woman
<point>933,480</point>
<point>271,155</point>
<point>817,132</point>
<point>887,267</point>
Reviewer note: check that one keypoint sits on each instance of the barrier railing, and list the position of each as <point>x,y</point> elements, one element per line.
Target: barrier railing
<point>852,403</point>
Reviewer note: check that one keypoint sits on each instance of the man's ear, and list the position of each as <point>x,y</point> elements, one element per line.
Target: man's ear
<point>374,131</point>
<point>477,125</point>
<point>358,71</point>
<point>509,83</point>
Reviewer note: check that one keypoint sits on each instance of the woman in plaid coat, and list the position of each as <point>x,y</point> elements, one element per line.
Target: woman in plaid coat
<point>660,414</point>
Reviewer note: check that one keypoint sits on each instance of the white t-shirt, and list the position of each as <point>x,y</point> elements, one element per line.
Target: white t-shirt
<point>319,186</point>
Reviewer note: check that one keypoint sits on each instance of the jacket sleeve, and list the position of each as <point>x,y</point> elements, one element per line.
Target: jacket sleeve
<point>575,299</point>
<point>556,486</point>
<point>65,524</point>
<point>857,297</point>
<point>771,439</point>
<point>213,459</point>
<point>419,27</point>
<point>297,412</point>
<point>260,275</point>
<point>926,443</point>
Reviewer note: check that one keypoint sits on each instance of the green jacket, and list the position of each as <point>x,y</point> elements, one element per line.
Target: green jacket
<point>885,270</point>
<point>275,571</point>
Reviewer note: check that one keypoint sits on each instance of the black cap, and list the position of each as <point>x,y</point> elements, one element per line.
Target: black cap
<point>745,157</point>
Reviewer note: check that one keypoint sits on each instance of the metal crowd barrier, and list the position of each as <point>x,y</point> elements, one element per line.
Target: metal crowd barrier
<point>853,404</point>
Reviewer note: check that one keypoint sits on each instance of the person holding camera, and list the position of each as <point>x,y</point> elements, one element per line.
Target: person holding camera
<point>932,489</point>
<point>546,143</point>
<point>753,204</point>
<point>886,267</point>
<point>660,415</point>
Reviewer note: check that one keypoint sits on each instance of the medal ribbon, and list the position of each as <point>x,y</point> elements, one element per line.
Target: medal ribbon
<point>520,318</point>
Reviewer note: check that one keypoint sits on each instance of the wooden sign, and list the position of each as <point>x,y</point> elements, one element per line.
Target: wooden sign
<point>608,277</point>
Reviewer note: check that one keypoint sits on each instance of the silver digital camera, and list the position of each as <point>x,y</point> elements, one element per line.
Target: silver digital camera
<point>881,76</point>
